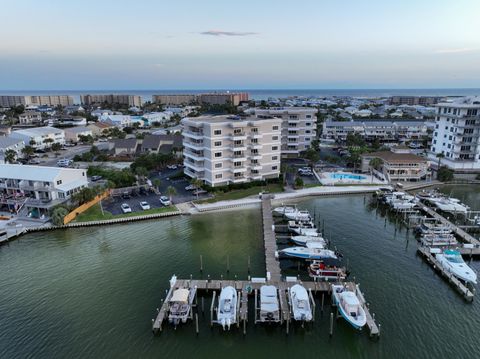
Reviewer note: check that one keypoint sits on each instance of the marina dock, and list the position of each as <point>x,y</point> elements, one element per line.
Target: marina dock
<point>248,288</point>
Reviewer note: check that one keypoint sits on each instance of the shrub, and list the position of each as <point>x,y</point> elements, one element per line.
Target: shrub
<point>58,215</point>
<point>445,174</point>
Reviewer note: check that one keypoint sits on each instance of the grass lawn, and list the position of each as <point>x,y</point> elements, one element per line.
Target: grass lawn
<point>94,213</point>
<point>242,193</point>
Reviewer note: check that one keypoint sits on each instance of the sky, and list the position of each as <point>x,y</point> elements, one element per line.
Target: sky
<point>262,44</point>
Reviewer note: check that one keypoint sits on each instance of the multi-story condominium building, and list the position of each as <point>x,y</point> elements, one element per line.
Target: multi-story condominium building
<point>456,134</point>
<point>9,143</point>
<point>47,100</point>
<point>40,137</point>
<point>397,166</point>
<point>223,98</point>
<point>37,189</point>
<point>29,117</point>
<point>384,130</point>
<point>299,127</point>
<point>130,100</point>
<point>220,150</point>
<point>414,100</point>
<point>175,99</point>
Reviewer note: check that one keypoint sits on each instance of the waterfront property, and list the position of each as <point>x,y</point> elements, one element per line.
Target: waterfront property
<point>231,149</point>
<point>48,100</point>
<point>299,127</point>
<point>396,166</point>
<point>123,99</point>
<point>456,135</point>
<point>35,190</point>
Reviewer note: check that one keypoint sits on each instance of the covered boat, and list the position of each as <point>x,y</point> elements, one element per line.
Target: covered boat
<point>300,303</point>
<point>269,310</point>
<point>453,262</point>
<point>303,240</point>
<point>180,305</point>
<point>227,307</point>
<point>349,306</point>
<point>303,216</point>
<point>303,228</point>
<point>438,240</point>
<point>283,210</point>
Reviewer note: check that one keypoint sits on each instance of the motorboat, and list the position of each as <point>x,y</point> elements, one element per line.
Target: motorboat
<point>227,307</point>
<point>303,228</point>
<point>308,253</point>
<point>433,228</point>
<point>180,305</point>
<point>453,262</point>
<point>435,240</point>
<point>300,303</point>
<point>283,210</point>
<point>349,306</point>
<point>303,216</point>
<point>303,240</point>
<point>327,269</point>
<point>448,204</point>
<point>269,308</point>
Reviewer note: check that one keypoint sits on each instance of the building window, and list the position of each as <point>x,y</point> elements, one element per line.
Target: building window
<point>218,154</point>
<point>217,132</point>
<point>255,172</point>
<point>218,176</point>
<point>218,165</point>
<point>275,128</point>
<point>59,182</point>
<point>217,143</point>
<point>254,151</point>
<point>274,138</point>
<point>254,130</point>
<point>254,140</point>
<point>274,168</point>
<point>308,116</point>
<point>274,158</point>
<point>308,124</point>
<point>274,148</point>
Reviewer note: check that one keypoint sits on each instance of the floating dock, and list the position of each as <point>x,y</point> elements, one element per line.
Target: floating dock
<point>248,288</point>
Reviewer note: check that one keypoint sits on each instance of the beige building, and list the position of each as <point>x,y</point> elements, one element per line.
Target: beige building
<point>49,100</point>
<point>223,98</point>
<point>175,99</point>
<point>220,150</point>
<point>299,127</point>
<point>29,117</point>
<point>130,100</point>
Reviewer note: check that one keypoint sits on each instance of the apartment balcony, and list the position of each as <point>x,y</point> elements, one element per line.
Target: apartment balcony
<point>239,179</point>
<point>238,169</point>
<point>465,143</point>
<point>239,147</point>
<point>255,156</point>
<point>255,166</point>
<point>193,155</point>
<point>256,135</point>
<point>194,145</point>
<point>193,134</point>
<point>256,146</point>
<point>465,126</point>
<point>196,166</point>
<point>241,136</point>
<point>194,173</point>
<point>471,151</point>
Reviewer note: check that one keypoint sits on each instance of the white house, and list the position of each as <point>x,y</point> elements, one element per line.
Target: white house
<point>117,120</point>
<point>36,136</point>
<point>8,143</point>
<point>29,117</point>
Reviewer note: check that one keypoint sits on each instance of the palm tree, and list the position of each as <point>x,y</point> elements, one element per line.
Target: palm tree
<point>32,143</point>
<point>171,191</point>
<point>376,163</point>
<point>156,182</point>
<point>197,183</point>
<point>48,141</point>
<point>439,156</point>
<point>28,151</point>
<point>10,156</point>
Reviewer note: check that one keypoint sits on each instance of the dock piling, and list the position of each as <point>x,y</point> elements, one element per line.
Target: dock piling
<point>201,263</point>
<point>331,324</point>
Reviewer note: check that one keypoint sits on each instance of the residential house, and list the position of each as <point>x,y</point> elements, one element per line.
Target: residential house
<point>30,117</point>
<point>72,134</point>
<point>36,136</point>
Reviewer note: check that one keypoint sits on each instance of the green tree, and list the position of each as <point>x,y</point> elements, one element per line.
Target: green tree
<point>28,151</point>
<point>312,156</point>
<point>56,146</point>
<point>298,182</point>
<point>445,174</point>
<point>10,156</point>
<point>439,156</point>
<point>48,141</point>
<point>197,183</point>
<point>376,163</point>
<point>32,143</point>
<point>171,191</point>
<point>157,183</point>
<point>58,215</point>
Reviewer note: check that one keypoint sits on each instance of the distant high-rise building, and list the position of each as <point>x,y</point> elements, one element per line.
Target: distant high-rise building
<point>414,100</point>
<point>223,98</point>
<point>48,100</point>
<point>457,134</point>
<point>175,99</point>
<point>130,100</point>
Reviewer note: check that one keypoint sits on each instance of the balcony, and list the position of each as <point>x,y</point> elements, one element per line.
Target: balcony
<point>193,155</point>
<point>193,134</point>
<point>239,146</point>
<point>194,145</point>
<point>238,169</point>
<point>239,136</point>
<point>256,145</point>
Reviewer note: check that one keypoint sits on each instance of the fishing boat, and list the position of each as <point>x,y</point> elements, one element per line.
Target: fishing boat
<point>300,303</point>
<point>349,306</point>
<point>436,240</point>
<point>303,228</point>
<point>303,240</point>
<point>453,262</point>
<point>180,305</point>
<point>327,269</point>
<point>283,210</point>
<point>303,216</point>
<point>308,253</point>
<point>269,311</point>
<point>227,307</point>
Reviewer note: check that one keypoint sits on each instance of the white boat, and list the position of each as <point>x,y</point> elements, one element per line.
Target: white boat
<point>300,303</point>
<point>438,239</point>
<point>450,205</point>
<point>283,210</point>
<point>269,304</point>
<point>328,269</point>
<point>349,306</point>
<point>453,262</point>
<point>308,253</point>
<point>303,228</point>
<point>433,228</point>
<point>303,216</point>
<point>303,240</point>
<point>180,305</point>
<point>227,307</point>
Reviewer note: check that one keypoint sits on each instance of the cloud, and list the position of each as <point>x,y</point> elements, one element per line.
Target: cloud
<point>455,51</point>
<point>227,33</point>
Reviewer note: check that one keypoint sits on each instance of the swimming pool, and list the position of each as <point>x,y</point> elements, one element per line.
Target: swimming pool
<point>347,176</point>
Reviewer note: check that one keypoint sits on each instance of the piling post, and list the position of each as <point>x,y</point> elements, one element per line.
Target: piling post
<point>203,305</point>
<point>288,321</point>
<point>323,298</point>
<point>201,263</point>
<point>244,326</point>
<point>196,323</point>
<point>228,264</point>
<point>248,264</point>
<point>331,324</point>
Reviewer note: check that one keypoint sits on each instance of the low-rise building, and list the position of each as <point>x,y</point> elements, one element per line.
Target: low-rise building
<point>126,147</point>
<point>73,134</point>
<point>37,189</point>
<point>396,166</point>
<point>40,137</point>
<point>68,121</point>
<point>30,117</point>
<point>99,128</point>
<point>223,98</point>
<point>220,150</point>
<point>119,121</point>
<point>162,144</point>
<point>9,143</point>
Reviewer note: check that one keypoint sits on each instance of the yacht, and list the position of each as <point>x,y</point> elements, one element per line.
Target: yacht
<point>453,262</point>
<point>435,240</point>
<point>303,240</point>
<point>433,228</point>
<point>180,305</point>
<point>308,253</point>
<point>327,269</point>
<point>349,306</point>
<point>227,307</point>
<point>448,204</point>
<point>283,210</point>
<point>303,216</point>
<point>269,311</point>
<point>303,228</point>
<point>300,303</point>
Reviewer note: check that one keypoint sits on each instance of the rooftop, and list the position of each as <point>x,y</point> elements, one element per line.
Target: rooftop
<point>227,118</point>
<point>38,131</point>
<point>6,141</point>
<point>33,173</point>
<point>392,157</point>
<point>462,102</point>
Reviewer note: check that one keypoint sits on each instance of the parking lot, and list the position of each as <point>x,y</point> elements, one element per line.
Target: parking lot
<point>295,165</point>
<point>113,204</point>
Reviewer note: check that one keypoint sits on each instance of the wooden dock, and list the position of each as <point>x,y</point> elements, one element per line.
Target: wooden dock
<point>271,262</point>
<point>466,292</point>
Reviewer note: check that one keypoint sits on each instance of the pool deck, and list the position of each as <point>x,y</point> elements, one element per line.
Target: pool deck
<point>327,180</point>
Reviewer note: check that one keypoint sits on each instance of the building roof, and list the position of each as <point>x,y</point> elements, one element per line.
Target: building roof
<point>125,143</point>
<point>77,129</point>
<point>462,102</point>
<point>101,125</point>
<point>33,173</point>
<point>392,157</point>
<point>228,119</point>
<point>38,131</point>
<point>7,141</point>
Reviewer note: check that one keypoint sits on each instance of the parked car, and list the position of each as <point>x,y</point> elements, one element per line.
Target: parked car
<point>69,144</point>
<point>165,201</point>
<point>64,162</point>
<point>145,206</point>
<point>126,208</point>
<point>34,162</point>
<point>96,178</point>
<point>172,167</point>
<point>126,195</point>
<point>190,187</point>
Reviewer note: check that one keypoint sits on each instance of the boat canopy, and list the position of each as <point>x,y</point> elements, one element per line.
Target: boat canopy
<point>300,292</point>
<point>350,299</point>
<point>180,295</point>
<point>268,298</point>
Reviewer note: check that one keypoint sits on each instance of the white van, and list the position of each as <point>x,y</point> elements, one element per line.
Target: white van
<point>64,162</point>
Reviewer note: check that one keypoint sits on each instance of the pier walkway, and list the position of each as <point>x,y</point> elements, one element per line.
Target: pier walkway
<point>271,262</point>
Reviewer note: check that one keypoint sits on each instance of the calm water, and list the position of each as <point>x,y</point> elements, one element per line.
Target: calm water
<point>92,292</point>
